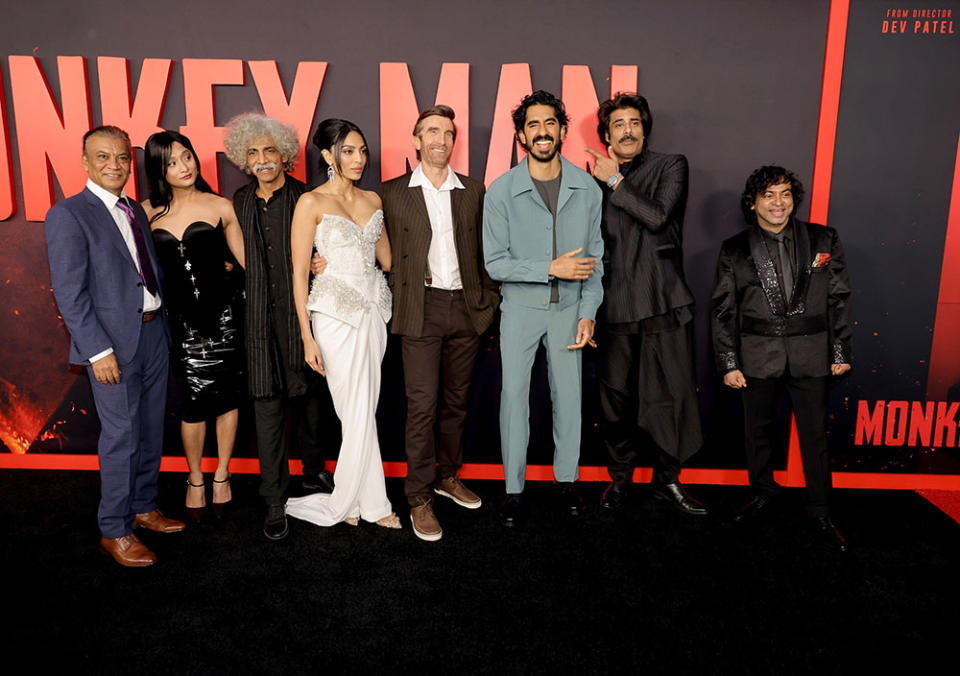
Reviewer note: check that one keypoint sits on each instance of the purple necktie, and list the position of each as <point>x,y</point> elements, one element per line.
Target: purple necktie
<point>146,268</point>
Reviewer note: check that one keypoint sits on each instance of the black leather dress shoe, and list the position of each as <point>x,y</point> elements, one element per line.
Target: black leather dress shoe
<point>830,535</point>
<point>321,483</point>
<point>509,511</point>
<point>275,525</point>
<point>570,499</point>
<point>751,511</point>
<point>678,497</point>
<point>613,496</point>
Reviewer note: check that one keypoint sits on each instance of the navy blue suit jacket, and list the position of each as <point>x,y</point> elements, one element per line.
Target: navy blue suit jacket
<point>95,280</point>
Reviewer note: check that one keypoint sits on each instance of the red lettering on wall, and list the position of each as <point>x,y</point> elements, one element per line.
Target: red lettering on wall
<point>869,425</point>
<point>8,201</point>
<point>199,78</point>
<point>945,426</point>
<point>399,111</point>
<point>139,116</point>
<point>921,423</point>
<point>46,138</point>
<point>896,429</point>
<point>515,83</point>
<point>581,101</point>
<point>301,106</point>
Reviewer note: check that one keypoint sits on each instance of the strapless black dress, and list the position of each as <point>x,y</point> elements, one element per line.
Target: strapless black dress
<point>205,306</point>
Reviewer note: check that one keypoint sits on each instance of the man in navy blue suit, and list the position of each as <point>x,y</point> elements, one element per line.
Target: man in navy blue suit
<point>104,273</point>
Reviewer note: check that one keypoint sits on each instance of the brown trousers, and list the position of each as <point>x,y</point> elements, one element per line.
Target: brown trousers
<point>437,369</point>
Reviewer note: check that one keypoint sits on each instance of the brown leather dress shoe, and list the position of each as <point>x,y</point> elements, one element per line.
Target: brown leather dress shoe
<point>157,522</point>
<point>424,521</point>
<point>451,487</point>
<point>128,551</point>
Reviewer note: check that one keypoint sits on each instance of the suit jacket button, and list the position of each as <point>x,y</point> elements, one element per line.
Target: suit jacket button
<point>139,284</point>
<point>139,310</point>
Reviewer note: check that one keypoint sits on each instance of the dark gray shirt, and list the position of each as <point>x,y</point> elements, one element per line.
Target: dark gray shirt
<point>550,192</point>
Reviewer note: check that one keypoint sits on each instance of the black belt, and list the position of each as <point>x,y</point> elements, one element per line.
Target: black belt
<point>150,316</point>
<point>784,326</point>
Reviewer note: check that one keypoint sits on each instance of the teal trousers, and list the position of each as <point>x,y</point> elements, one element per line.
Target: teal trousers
<point>522,329</point>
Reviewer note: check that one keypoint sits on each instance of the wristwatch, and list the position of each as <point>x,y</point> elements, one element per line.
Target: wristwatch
<point>612,181</point>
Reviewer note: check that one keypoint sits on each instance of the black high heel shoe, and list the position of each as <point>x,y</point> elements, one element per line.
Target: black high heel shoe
<point>218,507</point>
<point>196,512</point>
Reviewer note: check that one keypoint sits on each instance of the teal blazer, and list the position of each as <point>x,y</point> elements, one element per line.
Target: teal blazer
<point>518,238</point>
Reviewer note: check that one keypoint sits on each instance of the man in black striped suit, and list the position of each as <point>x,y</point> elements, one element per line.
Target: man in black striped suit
<point>645,352</point>
<point>278,376</point>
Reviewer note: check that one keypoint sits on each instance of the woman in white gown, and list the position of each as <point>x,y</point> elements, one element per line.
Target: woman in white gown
<point>345,335</point>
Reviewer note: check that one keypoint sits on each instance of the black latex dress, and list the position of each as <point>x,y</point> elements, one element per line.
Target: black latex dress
<point>204,301</point>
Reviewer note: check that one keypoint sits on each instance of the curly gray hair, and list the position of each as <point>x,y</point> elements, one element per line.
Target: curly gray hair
<point>243,128</point>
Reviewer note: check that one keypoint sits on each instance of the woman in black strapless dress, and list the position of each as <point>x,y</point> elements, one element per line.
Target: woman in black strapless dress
<point>199,244</point>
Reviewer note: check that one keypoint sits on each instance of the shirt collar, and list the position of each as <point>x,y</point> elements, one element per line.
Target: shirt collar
<point>108,198</point>
<point>786,234</point>
<point>419,180</point>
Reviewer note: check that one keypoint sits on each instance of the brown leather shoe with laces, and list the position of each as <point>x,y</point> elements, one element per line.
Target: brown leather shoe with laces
<point>157,522</point>
<point>451,487</point>
<point>128,551</point>
<point>424,521</point>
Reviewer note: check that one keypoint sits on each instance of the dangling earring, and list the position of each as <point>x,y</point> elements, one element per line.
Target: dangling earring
<point>331,176</point>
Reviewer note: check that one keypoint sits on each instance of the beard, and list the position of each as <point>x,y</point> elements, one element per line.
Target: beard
<point>543,158</point>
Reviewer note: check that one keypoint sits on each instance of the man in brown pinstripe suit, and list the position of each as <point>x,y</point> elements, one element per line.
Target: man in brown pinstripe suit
<point>443,301</point>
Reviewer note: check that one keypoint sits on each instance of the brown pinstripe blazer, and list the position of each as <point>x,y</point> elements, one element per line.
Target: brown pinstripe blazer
<point>408,225</point>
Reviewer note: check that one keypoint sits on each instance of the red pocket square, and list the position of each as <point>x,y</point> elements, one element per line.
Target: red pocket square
<point>820,260</point>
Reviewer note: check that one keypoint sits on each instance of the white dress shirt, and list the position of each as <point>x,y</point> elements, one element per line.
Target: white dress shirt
<point>442,256</point>
<point>151,303</point>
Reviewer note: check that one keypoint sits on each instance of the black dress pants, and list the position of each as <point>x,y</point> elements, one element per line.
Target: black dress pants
<point>808,398</point>
<point>270,417</point>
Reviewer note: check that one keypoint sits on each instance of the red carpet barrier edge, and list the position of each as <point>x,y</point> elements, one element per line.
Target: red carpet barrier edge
<point>494,472</point>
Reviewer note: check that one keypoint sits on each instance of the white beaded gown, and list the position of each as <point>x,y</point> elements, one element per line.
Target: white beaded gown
<point>349,307</point>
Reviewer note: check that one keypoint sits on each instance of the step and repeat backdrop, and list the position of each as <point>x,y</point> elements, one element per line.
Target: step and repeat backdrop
<point>858,97</point>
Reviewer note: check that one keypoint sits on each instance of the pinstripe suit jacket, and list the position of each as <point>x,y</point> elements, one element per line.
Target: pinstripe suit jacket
<point>260,362</point>
<point>643,239</point>
<point>408,226</point>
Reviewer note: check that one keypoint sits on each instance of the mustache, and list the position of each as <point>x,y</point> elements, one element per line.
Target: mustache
<point>543,137</point>
<point>628,137</point>
<point>272,166</point>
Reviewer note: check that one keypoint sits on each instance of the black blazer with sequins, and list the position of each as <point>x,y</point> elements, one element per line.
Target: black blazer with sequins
<point>756,331</point>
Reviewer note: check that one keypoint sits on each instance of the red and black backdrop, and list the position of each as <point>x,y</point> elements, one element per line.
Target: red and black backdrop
<point>858,97</point>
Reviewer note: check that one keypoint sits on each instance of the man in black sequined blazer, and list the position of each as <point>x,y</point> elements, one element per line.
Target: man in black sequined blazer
<point>781,319</point>
<point>644,346</point>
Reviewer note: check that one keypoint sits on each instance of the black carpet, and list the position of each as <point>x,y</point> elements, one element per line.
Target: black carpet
<point>649,590</point>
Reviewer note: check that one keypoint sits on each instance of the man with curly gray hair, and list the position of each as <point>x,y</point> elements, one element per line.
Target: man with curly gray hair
<point>279,378</point>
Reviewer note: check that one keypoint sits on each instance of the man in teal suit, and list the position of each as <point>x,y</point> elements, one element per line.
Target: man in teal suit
<point>541,239</point>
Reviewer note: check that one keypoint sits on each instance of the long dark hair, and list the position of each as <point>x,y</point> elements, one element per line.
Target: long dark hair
<point>331,133</point>
<point>157,151</point>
